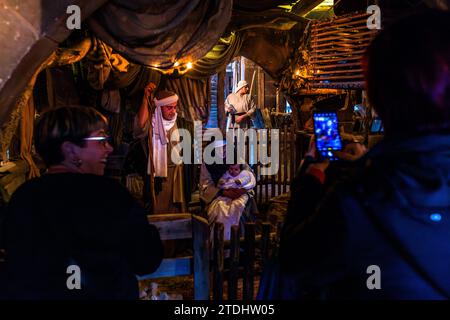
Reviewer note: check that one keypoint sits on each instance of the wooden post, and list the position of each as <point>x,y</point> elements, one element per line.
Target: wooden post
<point>261,87</point>
<point>221,119</point>
<point>276,244</point>
<point>293,166</point>
<point>242,64</point>
<point>272,177</point>
<point>282,157</point>
<point>258,184</point>
<point>278,232</point>
<point>277,100</point>
<point>286,157</point>
<point>234,263</point>
<point>200,235</point>
<point>249,261</point>
<point>247,150</point>
<point>218,262</point>
<point>267,180</point>
<point>265,242</point>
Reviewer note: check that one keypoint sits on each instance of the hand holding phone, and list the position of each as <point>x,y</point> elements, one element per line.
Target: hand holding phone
<point>326,133</point>
<point>352,152</point>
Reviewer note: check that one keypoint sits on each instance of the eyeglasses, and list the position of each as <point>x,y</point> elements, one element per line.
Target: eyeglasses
<point>102,139</point>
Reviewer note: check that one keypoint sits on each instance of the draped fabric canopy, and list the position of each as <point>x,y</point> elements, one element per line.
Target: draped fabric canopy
<point>218,57</point>
<point>194,103</point>
<point>107,69</point>
<point>161,32</point>
<point>129,38</point>
<point>24,110</point>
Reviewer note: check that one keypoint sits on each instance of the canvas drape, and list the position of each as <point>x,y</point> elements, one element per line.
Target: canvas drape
<point>194,100</point>
<point>161,32</point>
<point>218,57</point>
<point>59,57</point>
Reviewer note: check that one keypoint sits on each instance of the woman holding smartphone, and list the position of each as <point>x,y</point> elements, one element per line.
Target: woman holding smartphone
<point>382,231</point>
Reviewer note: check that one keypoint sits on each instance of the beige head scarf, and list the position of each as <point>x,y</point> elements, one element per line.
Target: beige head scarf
<point>160,138</point>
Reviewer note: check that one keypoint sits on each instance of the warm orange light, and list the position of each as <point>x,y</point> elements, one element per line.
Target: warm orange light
<point>189,65</point>
<point>176,64</point>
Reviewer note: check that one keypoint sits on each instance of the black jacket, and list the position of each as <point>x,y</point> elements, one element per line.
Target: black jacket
<point>66,219</point>
<point>393,212</point>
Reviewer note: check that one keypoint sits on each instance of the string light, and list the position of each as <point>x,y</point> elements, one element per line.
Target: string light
<point>177,68</point>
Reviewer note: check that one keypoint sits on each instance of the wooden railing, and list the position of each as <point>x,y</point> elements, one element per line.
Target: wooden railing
<point>246,257</point>
<point>337,48</point>
<point>270,186</point>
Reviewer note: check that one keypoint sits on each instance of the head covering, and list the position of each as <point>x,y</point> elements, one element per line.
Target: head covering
<point>161,127</point>
<point>165,101</point>
<point>240,85</point>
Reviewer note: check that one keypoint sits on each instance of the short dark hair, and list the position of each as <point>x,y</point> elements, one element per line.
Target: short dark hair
<point>408,76</point>
<point>68,123</point>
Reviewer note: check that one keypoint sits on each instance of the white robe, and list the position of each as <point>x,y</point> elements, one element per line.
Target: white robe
<point>240,104</point>
<point>226,210</point>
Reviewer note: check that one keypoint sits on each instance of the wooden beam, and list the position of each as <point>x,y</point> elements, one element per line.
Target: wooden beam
<point>261,88</point>
<point>200,237</point>
<point>221,119</point>
<point>218,261</point>
<point>248,290</point>
<point>355,76</point>
<point>323,73</point>
<point>172,226</point>
<point>303,7</point>
<point>234,263</point>
<point>171,268</point>
<point>340,84</point>
<point>340,20</point>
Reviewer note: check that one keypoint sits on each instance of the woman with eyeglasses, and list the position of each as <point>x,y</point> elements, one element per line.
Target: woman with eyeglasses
<point>71,233</point>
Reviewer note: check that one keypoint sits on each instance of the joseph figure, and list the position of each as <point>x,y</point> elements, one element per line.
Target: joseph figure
<point>156,123</point>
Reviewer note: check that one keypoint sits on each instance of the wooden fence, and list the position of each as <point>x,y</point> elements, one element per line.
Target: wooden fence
<point>245,258</point>
<point>269,186</point>
<point>337,48</point>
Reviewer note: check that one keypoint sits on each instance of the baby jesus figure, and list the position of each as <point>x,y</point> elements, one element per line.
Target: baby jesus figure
<point>226,210</point>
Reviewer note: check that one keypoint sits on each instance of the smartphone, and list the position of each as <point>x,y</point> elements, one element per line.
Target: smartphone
<point>377,126</point>
<point>326,133</point>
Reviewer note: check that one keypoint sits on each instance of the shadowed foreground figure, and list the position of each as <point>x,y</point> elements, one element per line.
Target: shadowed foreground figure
<point>74,216</point>
<point>394,211</point>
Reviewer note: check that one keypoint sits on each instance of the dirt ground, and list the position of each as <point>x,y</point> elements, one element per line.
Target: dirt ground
<point>185,287</point>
